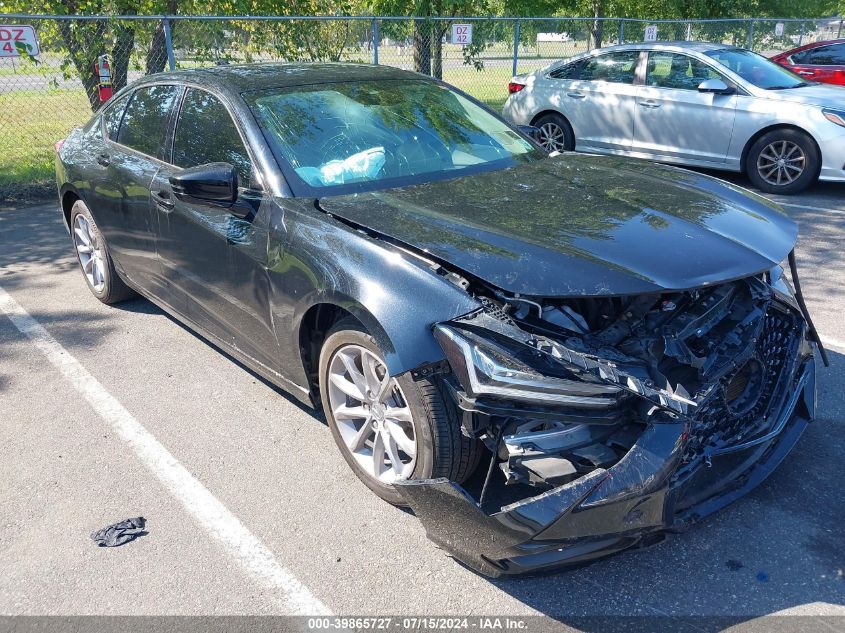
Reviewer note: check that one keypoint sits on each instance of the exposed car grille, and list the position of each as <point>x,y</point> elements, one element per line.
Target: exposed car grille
<point>748,396</point>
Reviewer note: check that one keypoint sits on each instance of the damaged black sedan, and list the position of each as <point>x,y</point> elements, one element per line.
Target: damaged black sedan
<point>622,347</point>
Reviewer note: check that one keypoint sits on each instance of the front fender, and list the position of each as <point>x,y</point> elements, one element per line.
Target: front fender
<point>760,117</point>
<point>396,296</point>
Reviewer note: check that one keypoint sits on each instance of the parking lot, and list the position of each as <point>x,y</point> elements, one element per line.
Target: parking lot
<point>115,412</point>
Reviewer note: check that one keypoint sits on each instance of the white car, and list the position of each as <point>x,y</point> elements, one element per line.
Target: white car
<point>689,103</point>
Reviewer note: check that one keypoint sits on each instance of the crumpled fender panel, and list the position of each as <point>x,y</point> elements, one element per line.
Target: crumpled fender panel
<point>394,296</point>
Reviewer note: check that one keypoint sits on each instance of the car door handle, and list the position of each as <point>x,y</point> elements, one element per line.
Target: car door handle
<point>806,73</point>
<point>163,200</point>
<point>104,159</point>
<point>649,104</point>
<point>576,95</point>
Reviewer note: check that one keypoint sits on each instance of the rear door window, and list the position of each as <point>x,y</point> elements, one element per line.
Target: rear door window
<point>206,133</point>
<point>570,71</point>
<point>146,119</point>
<point>112,116</point>
<point>616,68</point>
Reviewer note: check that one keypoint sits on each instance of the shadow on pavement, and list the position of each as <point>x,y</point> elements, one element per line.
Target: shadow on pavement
<point>35,235</point>
<point>832,189</point>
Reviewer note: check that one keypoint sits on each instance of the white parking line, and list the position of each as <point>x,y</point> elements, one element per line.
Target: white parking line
<point>246,548</point>
<point>807,207</point>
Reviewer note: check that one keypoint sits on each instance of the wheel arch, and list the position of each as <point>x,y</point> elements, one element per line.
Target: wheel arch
<point>542,113</point>
<point>770,128</point>
<point>314,327</point>
<point>67,197</point>
<point>404,338</point>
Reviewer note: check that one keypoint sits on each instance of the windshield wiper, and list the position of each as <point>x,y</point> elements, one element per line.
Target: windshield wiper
<point>800,84</point>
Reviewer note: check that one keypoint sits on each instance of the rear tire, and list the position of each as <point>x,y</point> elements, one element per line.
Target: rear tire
<point>94,258</point>
<point>427,420</point>
<point>555,134</point>
<point>783,161</point>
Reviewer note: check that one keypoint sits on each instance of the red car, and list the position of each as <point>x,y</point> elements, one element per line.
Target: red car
<point>819,61</point>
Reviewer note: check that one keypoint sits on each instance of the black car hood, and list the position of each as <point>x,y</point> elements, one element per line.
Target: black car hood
<point>582,225</point>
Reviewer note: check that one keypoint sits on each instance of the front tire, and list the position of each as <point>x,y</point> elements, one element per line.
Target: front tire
<point>783,161</point>
<point>94,258</point>
<point>388,429</point>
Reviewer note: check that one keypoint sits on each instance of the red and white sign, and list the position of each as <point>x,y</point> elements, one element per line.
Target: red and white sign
<point>462,34</point>
<point>17,39</point>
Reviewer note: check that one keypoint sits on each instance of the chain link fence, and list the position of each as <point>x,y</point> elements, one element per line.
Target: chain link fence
<point>50,85</point>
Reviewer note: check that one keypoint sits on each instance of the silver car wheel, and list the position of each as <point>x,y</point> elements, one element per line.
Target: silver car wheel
<point>371,414</point>
<point>552,137</point>
<point>90,253</point>
<point>781,163</point>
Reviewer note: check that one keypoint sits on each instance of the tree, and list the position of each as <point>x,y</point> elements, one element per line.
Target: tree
<point>140,44</point>
<point>669,9</point>
<point>83,41</point>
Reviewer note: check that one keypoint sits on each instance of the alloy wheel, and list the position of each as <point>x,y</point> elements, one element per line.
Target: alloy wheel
<point>371,414</point>
<point>552,137</point>
<point>90,253</point>
<point>781,163</point>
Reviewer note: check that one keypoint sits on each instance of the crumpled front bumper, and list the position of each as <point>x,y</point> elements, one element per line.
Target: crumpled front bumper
<point>650,492</point>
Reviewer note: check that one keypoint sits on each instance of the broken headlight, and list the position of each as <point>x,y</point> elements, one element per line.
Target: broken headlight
<point>780,284</point>
<point>486,367</point>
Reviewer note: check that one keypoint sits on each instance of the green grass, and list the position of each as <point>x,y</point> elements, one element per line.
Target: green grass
<point>490,86</point>
<point>31,122</point>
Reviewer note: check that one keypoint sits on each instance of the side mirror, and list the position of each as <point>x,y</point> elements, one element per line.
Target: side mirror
<point>213,183</point>
<point>715,86</point>
<point>529,130</point>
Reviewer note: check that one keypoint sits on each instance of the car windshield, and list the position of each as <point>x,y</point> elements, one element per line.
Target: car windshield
<point>365,135</point>
<point>756,69</point>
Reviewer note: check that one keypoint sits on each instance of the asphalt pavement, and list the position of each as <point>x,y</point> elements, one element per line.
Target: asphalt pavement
<point>68,467</point>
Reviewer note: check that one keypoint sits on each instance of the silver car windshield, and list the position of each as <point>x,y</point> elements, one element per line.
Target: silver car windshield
<point>379,132</point>
<point>756,69</point>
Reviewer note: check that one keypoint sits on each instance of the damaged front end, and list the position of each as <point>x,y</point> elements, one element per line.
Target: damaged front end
<point>615,420</point>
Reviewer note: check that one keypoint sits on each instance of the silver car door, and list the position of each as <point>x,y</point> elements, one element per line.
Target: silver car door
<point>603,98</point>
<point>674,121</point>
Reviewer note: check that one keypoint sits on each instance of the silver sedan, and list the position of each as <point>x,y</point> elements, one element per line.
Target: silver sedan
<point>698,104</point>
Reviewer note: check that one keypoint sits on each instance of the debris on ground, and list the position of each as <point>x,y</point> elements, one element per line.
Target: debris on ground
<point>120,533</point>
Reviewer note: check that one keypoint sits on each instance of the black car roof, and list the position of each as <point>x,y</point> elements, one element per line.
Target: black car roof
<point>247,77</point>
